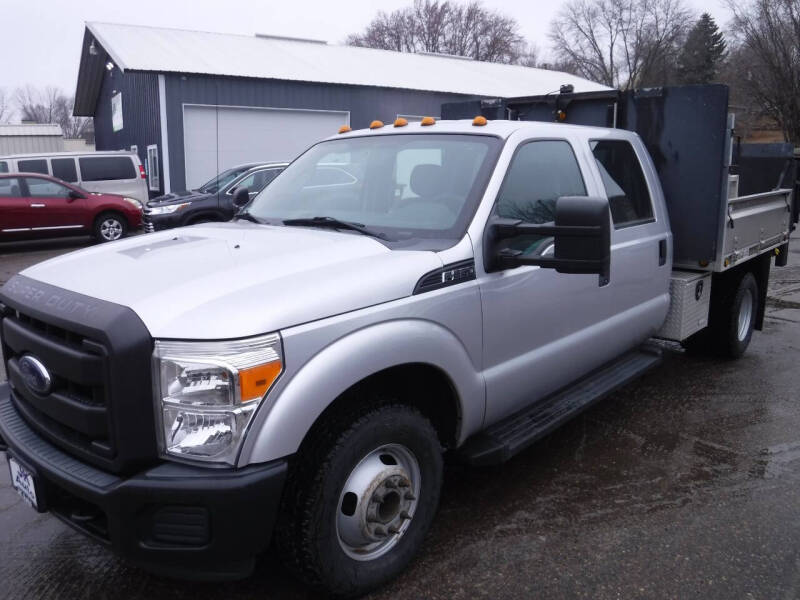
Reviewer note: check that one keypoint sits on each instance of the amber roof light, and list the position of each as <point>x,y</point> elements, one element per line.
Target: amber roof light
<point>376,124</point>
<point>400,122</point>
<point>344,129</point>
<point>479,121</point>
<point>427,121</point>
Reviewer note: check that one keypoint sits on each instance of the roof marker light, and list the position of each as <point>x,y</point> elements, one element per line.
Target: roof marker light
<point>400,122</point>
<point>561,116</point>
<point>344,129</point>
<point>427,121</point>
<point>376,124</point>
<point>479,121</point>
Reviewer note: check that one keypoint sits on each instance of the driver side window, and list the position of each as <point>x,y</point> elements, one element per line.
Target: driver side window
<point>43,188</point>
<point>540,173</point>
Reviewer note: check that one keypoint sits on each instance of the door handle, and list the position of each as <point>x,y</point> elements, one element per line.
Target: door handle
<point>38,205</point>
<point>662,252</point>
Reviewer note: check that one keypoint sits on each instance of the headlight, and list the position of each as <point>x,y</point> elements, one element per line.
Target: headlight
<point>133,201</point>
<point>167,209</point>
<point>207,393</point>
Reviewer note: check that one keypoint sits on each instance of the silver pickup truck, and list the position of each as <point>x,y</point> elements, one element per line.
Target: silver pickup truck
<point>295,376</point>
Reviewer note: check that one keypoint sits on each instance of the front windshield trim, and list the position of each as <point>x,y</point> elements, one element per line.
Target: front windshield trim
<point>403,235</point>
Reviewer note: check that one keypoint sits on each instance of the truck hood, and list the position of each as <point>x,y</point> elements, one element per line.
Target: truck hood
<point>229,280</point>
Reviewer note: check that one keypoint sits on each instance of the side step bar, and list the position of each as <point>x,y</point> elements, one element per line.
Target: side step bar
<point>504,439</point>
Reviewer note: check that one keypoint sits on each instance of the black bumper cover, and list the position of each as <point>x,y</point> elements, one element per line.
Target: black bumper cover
<point>172,519</point>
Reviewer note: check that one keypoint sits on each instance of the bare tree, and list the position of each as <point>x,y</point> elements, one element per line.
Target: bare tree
<point>621,43</point>
<point>6,111</point>
<point>767,59</point>
<point>446,28</point>
<point>50,105</point>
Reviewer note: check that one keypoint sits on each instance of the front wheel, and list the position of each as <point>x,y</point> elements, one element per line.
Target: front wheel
<point>109,227</point>
<point>360,500</point>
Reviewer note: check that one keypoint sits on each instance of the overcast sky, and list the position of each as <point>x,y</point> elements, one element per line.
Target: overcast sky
<point>41,46</point>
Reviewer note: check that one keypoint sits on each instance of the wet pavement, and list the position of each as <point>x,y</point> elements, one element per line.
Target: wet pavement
<point>684,484</point>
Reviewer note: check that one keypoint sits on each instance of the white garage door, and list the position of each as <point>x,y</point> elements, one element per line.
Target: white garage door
<point>216,138</point>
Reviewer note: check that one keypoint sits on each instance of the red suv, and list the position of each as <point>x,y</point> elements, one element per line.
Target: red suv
<point>38,206</point>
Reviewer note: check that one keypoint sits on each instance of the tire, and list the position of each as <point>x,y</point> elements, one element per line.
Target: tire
<point>739,318</point>
<point>109,227</point>
<point>321,532</point>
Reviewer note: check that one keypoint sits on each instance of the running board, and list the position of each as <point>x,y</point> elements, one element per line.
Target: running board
<point>499,442</point>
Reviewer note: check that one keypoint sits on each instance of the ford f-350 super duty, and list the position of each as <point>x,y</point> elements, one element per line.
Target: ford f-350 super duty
<point>294,376</point>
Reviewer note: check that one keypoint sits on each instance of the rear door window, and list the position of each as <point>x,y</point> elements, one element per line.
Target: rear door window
<point>3,166</point>
<point>64,169</point>
<point>106,168</point>
<point>626,187</point>
<point>9,188</point>
<point>33,165</point>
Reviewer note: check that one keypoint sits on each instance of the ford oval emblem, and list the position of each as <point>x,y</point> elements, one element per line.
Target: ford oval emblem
<point>35,374</point>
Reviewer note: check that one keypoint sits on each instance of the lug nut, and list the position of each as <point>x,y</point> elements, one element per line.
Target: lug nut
<point>404,515</point>
<point>410,496</point>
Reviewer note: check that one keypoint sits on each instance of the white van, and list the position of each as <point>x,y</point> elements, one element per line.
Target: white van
<point>112,172</point>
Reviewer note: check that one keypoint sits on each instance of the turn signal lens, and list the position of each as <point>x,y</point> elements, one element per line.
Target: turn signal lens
<point>345,129</point>
<point>561,116</point>
<point>427,121</point>
<point>255,382</point>
<point>376,124</point>
<point>400,122</point>
<point>479,121</point>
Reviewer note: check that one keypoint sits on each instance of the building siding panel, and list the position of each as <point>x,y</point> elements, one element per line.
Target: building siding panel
<point>140,115</point>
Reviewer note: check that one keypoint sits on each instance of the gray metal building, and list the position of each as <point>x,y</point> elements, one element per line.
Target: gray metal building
<point>31,137</point>
<point>194,103</point>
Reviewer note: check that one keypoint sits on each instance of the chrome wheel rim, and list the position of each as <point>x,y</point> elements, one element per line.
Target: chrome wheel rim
<point>111,229</point>
<point>378,502</point>
<point>745,315</point>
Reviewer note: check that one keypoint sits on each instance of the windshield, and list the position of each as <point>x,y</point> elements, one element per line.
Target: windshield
<point>405,185</point>
<point>221,180</point>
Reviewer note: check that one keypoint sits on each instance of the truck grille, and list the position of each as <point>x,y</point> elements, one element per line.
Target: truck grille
<point>98,406</point>
<point>74,412</point>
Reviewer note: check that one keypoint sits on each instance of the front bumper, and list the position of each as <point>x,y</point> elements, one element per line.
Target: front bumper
<point>154,223</point>
<point>171,519</point>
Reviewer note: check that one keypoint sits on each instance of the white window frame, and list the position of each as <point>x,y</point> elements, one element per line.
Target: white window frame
<point>153,174</point>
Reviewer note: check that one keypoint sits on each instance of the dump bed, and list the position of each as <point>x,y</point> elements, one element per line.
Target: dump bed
<point>691,139</point>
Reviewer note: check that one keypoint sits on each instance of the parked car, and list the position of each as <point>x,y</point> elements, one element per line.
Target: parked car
<point>212,201</point>
<point>110,172</point>
<point>40,206</point>
<point>295,376</point>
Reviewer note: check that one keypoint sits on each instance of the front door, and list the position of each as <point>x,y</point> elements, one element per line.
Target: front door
<point>51,208</point>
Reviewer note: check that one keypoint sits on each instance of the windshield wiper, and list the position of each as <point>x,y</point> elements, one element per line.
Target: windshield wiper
<point>246,216</point>
<point>333,223</point>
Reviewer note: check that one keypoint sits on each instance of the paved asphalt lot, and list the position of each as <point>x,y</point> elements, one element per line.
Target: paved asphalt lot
<point>684,484</point>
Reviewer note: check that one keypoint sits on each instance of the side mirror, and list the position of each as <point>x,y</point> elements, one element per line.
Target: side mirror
<point>582,234</point>
<point>73,195</point>
<point>241,197</point>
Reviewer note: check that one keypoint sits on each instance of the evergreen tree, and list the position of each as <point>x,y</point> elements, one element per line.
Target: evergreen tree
<point>703,53</point>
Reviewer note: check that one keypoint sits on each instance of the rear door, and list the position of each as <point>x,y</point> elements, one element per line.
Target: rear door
<point>640,235</point>
<point>15,216</point>
<point>51,206</point>
<point>65,169</point>
<point>112,175</point>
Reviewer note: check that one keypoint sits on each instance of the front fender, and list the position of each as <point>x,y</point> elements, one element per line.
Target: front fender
<point>292,408</point>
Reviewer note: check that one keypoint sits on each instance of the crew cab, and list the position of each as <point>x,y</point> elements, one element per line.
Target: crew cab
<point>293,377</point>
<point>212,201</point>
<point>38,206</point>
